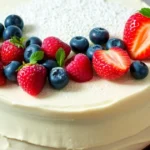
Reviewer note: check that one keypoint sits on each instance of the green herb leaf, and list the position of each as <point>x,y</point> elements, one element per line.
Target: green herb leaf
<point>60,57</point>
<point>145,12</point>
<point>19,42</point>
<point>37,56</point>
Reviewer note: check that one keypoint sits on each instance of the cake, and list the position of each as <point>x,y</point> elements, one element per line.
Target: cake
<point>95,115</point>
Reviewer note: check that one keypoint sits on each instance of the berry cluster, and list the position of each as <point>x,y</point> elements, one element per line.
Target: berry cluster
<point>32,62</point>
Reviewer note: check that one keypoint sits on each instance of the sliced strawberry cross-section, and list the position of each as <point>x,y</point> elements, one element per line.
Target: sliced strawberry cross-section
<point>111,64</point>
<point>137,35</point>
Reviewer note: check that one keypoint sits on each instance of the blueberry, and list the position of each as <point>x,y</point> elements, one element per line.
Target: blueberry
<point>58,78</point>
<point>30,50</point>
<point>139,70</point>
<point>99,35</point>
<point>115,42</point>
<point>49,64</point>
<point>14,20</point>
<point>79,44</point>
<point>10,70</point>
<point>11,31</point>
<point>33,40</point>
<point>90,51</point>
<point>1,30</point>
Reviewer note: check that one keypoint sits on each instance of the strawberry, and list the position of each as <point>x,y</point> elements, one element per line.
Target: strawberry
<point>32,76</point>
<point>2,76</point>
<point>51,45</point>
<point>137,35</point>
<point>0,52</point>
<point>12,49</point>
<point>79,68</point>
<point>111,64</point>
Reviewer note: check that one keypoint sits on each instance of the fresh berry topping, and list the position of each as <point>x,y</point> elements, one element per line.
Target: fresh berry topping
<point>11,31</point>
<point>1,66</point>
<point>139,70</point>
<point>2,79</point>
<point>1,30</point>
<point>14,20</point>
<point>115,42</point>
<point>79,68</point>
<point>12,50</point>
<point>10,70</point>
<point>2,76</point>
<point>90,51</point>
<point>32,78</point>
<point>51,45</point>
<point>79,44</point>
<point>99,35</point>
<point>111,64</point>
<point>49,64</point>
<point>137,36</point>
<point>33,40</point>
<point>58,78</point>
<point>30,50</point>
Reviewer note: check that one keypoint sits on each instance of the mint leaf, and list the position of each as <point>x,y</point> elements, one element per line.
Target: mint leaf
<point>36,56</point>
<point>60,57</point>
<point>145,12</point>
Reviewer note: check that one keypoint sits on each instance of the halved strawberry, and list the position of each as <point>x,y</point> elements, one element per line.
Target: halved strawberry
<point>137,35</point>
<point>111,64</point>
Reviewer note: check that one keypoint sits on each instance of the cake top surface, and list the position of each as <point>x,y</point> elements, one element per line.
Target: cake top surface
<point>63,18</point>
<point>66,19</point>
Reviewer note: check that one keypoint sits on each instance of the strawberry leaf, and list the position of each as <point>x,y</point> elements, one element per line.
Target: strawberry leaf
<point>19,68</point>
<point>60,57</point>
<point>19,42</point>
<point>145,12</point>
<point>36,56</point>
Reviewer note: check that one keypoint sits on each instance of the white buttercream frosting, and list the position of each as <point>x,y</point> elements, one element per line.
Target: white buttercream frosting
<point>95,115</point>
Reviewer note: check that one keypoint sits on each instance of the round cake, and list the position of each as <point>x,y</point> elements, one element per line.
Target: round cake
<point>96,115</point>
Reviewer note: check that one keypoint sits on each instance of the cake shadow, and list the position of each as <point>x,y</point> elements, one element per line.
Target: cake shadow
<point>147,148</point>
<point>28,28</point>
<point>128,80</point>
<point>48,90</point>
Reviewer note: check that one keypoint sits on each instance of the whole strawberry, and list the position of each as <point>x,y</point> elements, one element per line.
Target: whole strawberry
<point>51,45</point>
<point>32,77</point>
<point>137,35</point>
<point>12,49</point>
<point>111,64</point>
<point>79,68</point>
<point>2,76</point>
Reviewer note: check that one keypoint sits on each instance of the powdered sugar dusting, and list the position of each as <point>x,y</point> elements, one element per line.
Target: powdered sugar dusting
<point>68,18</point>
